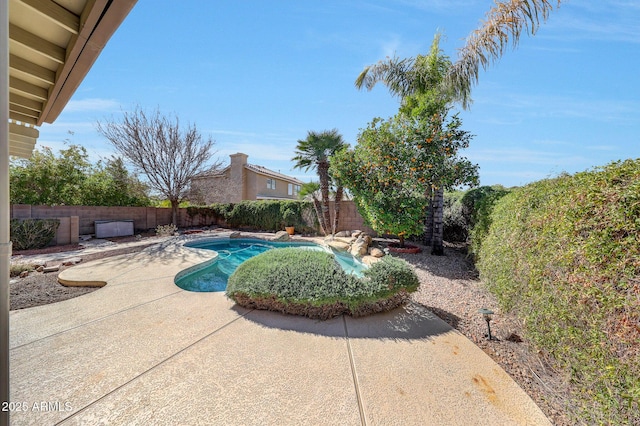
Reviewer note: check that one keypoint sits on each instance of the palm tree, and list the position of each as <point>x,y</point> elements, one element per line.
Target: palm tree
<point>501,28</point>
<point>314,152</point>
<point>421,76</point>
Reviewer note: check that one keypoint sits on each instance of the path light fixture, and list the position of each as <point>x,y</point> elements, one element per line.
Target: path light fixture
<point>487,314</point>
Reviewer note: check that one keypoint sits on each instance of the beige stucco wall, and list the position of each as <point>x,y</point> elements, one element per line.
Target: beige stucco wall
<point>260,187</point>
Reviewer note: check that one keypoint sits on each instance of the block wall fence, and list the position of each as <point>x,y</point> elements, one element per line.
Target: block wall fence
<point>80,220</point>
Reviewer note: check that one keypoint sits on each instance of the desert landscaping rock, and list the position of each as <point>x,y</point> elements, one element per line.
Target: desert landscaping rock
<point>281,236</point>
<point>72,261</point>
<point>54,268</point>
<point>359,247</point>
<point>376,252</point>
<point>338,245</point>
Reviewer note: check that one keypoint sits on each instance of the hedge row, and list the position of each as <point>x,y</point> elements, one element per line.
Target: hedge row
<point>272,215</point>
<point>564,255</point>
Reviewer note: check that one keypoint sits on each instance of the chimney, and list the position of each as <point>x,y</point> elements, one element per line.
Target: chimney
<point>238,161</point>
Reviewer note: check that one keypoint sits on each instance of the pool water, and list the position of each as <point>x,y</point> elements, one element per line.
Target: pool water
<point>231,253</point>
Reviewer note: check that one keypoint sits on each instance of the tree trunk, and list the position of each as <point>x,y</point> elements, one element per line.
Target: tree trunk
<point>401,238</point>
<point>323,174</point>
<point>437,247</point>
<point>336,209</point>
<point>174,212</point>
<point>318,208</point>
<point>428,221</point>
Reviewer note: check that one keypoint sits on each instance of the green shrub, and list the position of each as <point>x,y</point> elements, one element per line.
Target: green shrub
<point>268,215</point>
<point>456,225</point>
<point>564,255</point>
<point>28,234</point>
<point>311,283</point>
<point>477,205</point>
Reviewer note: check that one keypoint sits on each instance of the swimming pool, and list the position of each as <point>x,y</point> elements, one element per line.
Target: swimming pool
<point>232,252</point>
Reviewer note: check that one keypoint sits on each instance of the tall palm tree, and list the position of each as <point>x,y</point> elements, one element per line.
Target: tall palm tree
<point>500,29</point>
<point>423,76</point>
<point>315,152</point>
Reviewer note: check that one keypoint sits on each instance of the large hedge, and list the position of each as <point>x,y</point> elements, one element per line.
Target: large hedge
<point>564,254</point>
<point>262,215</point>
<point>312,283</point>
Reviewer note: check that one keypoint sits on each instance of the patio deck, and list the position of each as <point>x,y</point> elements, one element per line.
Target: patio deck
<point>143,351</point>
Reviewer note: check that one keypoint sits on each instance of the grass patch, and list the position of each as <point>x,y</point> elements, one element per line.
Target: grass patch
<point>312,283</point>
<point>564,254</point>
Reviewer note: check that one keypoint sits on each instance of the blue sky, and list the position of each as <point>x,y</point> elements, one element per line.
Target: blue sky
<point>257,75</point>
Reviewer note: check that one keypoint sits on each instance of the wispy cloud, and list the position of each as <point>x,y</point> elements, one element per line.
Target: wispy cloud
<point>576,106</point>
<point>596,20</point>
<point>525,156</point>
<point>92,104</point>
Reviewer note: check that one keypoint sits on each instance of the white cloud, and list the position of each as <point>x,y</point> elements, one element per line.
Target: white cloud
<point>92,104</point>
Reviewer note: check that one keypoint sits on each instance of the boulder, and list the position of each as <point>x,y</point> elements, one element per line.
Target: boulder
<point>281,236</point>
<point>356,234</point>
<point>376,252</point>
<point>234,234</point>
<point>24,274</point>
<point>338,245</point>
<point>72,261</point>
<point>54,268</point>
<point>343,234</point>
<point>359,247</point>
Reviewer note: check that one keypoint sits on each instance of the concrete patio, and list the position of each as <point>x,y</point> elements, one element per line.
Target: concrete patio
<point>143,351</point>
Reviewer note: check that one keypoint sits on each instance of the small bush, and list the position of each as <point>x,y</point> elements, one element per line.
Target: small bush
<point>311,283</point>
<point>166,230</point>
<point>17,268</point>
<point>28,234</point>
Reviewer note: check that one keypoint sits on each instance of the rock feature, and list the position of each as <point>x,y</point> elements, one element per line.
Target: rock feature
<point>281,236</point>
<point>234,234</point>
<point>51,268</point>
<point>376,252</point>
<point>357,243</point>
<point>359,247</point>
<point>339,245</point>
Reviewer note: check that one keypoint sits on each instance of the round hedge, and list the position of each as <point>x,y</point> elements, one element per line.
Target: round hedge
<point>311,283</point>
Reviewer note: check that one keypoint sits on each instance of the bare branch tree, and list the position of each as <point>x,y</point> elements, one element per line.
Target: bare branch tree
<point>157,147</point>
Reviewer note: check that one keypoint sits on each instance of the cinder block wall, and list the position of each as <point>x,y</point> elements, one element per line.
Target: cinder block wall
<point>80,220</point>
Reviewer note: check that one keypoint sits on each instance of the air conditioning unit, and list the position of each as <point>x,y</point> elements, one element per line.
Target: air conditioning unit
<point>113,228</point>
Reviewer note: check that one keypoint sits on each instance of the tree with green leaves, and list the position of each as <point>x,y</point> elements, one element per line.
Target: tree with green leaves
<point>315,152</point>
<point>158,147</point>
<point>418,83</point>
<point>70,179</point>
<point>388,172</point>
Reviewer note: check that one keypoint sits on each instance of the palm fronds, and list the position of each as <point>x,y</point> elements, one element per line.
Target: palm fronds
<point>502,28</point>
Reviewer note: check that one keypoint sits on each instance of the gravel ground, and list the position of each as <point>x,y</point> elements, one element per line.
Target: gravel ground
<point>449,287</point>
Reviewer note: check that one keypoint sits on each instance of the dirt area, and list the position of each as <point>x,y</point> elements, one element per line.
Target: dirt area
<point>449,287</point>
<point>42,288</point>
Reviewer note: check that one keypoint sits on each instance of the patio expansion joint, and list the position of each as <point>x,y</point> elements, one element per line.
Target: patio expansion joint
<point>354,373</point>
<point>97,320</point>
<point>152,368</point>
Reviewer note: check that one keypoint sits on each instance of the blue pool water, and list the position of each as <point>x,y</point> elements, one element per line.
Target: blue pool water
<point>231,253</point>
